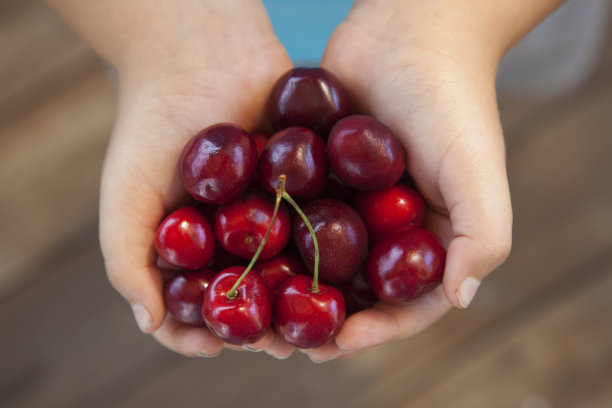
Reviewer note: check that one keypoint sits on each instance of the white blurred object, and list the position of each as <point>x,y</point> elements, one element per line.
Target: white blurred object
<point>558,54</point>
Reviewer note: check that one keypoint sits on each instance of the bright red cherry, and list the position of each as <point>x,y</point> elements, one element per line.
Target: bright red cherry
<point>185,239</point>
<point>298,153</point>
<point>365,154</point>
<point>280,268</point>
<point>405,265</point>
<point>243,319</point>
<point>309,97</point>
<point>241,225</point>
<point>307,319</point>
<point>342,237</point>
<point>218,163</point>
<point>184,295</point>
<point>383,211</point>
<point>357,292</point>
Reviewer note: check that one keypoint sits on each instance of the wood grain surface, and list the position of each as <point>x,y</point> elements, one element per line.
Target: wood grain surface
<point>538,334</point>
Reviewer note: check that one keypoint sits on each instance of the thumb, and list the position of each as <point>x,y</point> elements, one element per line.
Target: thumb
<point>474,185</point>
<point>129,213</point>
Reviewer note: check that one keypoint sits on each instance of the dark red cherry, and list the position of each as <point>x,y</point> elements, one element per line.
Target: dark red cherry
<point>342,237</point>
<point>244,319</point>
<point>337,189</point>
<point>280,268</point>
<point>260,139</point>
<point>357,292</point>
<point>383,211</point>
<point>184,295</point>
<point>241,225</point>
<point>365,154</point>
<point>185,239</point>
<point>298,153</point>
<point>309,97</point>
<point>218,163</point>
<point>405,265</point>
<point>306,319</point>
<point>224,259</point>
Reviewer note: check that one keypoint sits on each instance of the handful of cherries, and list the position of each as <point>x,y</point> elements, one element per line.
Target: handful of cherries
<point>245,259</point>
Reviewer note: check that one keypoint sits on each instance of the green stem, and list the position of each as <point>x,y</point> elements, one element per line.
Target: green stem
<point>280,189</point>
<point>315,280</point>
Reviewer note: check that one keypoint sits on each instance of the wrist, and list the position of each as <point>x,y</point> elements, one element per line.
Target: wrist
<point>474,31</point>
<point>134,35</point>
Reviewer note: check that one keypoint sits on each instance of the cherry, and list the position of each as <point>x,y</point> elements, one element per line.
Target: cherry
<point>342,238</point>
<point>218,163</point>
<point>241,318</point>
<point>337,189</point>
<point>280,268</point>
<point>298,153</point>
<point>237,303</point>
<point>260,139</point>
<point>365,154</point>
<point>309,97</point>
<point>383,211</point>
<point>307,319</point>
<point>185,239</point>
<point>357,292</point>
<point>241,225</point>
<point>224,259</point>
<point>184,295</point>
<point>405,265</point>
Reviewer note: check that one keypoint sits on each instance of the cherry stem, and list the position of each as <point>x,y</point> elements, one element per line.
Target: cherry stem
<point>280,190</point>
<point>315,280</point>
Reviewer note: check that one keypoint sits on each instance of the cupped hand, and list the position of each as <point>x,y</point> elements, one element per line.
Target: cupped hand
<point>220,72</point>
<point>434,87</point>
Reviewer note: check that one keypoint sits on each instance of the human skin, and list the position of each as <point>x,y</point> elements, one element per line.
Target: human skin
<point>424,68</point>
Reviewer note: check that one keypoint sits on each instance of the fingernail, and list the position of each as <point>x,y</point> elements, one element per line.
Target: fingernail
<point>249,348</point>
<point>204,355</point>
<point>467,290</point>
<point>323,361</point>
<point>142,316</point>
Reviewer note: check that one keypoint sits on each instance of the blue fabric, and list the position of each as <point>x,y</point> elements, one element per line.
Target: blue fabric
<point>305,26</point>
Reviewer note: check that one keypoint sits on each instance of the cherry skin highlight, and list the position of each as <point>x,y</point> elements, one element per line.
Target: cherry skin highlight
<point>185,239</point>
<point>218,163</point>
<point>244,319</point>
<point>384,211</point>
<point>184,295</point>
<point>306,319</point>
<point>309,97</point>
<point>241,225</point>
<point>405,265</point>
<point>342,237</point>
<point>365,154</point>
<point>298,153</point>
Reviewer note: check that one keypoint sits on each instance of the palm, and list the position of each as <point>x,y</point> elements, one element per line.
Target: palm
<point>441,113</point>
<point>141,182</point>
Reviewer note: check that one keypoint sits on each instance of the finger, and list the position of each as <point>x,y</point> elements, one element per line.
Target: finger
<point>384,322</point>
<point>126,237</point>
<point>279,348</point>
<point>325,353</point>
<point>186,340</point>
<point>262,343</point>
<point>480,214</point>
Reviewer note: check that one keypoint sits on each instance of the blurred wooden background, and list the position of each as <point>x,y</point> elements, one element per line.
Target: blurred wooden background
<point>538,335</point>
